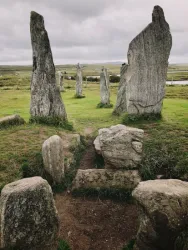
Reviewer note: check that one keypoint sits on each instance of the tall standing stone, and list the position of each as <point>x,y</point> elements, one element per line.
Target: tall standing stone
<point>61,83</point>
<point>145,76</point>
<point>29,218</point>
<point>45,95</point>
<point>79,81</point>
<point>104,87</point>
<point>121,104</point>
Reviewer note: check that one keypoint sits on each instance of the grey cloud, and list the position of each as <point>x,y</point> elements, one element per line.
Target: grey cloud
<point>87,30</point>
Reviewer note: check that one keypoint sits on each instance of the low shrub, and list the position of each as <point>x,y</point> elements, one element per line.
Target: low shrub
<point>139,118</point>
<point>63,245</point>
<point>102,105</point>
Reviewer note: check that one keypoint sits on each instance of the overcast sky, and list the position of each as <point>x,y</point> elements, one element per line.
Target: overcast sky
<point>87,31</point>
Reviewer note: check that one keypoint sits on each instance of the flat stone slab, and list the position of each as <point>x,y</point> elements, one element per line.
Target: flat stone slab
<point>105,178</point>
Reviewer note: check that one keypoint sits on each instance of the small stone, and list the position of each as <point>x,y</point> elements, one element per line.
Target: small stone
<point>29,218</point>
<point>11,120</point>
<point>53,158</point>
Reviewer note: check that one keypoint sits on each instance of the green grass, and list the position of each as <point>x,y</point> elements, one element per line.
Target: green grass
<point>19,145</point>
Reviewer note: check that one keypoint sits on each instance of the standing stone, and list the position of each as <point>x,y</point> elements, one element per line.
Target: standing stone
<point>79,81</point>
<point>145,77</point>
<point>45,95</point>
<point>163,214</point>
<point>121,104</point>
<point>104,87</point>
<point>53,158</point>
<point>61,83</point>
<point>29,218</point>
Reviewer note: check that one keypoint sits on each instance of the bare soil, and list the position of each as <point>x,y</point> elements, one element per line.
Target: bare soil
<point>90,224</point>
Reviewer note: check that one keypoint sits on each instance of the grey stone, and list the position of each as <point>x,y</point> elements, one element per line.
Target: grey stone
<point>29,218</point>
<point>163,213</point>
<point>46,100</point>
<point>53,158</point>
<point>106,178</point>
<point>11,120</point>
<point>120,146</point>
<point>145,76</point>
<point>121,104</point>
<point>79,81</point>
<point>61,83</point>
<point>104,87</point>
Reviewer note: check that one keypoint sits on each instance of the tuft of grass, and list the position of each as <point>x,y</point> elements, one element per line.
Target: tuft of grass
<point>63,245</point>
<point>102,105</point>
<point>52,121</point>
<point>130,245</point>
<point>79,96</point>
<point>127,119</point>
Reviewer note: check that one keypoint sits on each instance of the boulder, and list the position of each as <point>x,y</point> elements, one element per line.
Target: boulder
<point>29,218</point>
<point>121,103</point>
<point>11,120</point>
<point>104,87</point>
<point>120,146</point>
<point>107,179</point>
<point>53,158</point>
<point>46,100</point>
<point>163,213</point>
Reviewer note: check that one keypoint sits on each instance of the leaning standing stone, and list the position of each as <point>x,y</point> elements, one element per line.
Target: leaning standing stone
<point>53,158</point>
<point>104,88</point>
<point>45,95</point>
<point>29,218</point>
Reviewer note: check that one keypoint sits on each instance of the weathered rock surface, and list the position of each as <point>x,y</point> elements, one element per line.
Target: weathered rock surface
<point>29,218</point>
<point>61,83</point>
<point>11,120</point>
<point>120,146</point>
<point>145,77</point>
<point>79,81</point>
<point>104,87</point>
<point>164,213</point>
<point>105,178</point>
<point>53,158</point>
<point>45,95</point>
<point>121,104</point>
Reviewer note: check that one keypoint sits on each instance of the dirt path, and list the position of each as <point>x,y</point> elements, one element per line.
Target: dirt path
<point>90,224</point>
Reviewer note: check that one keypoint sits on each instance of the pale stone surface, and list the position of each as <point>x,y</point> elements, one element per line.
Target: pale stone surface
<point>53,158</point>
<point>106,178</point>
<point>97,145</point>
<point>121,104</point>
<point>11,120</point>
<point>120,146</point>
<point>164,213</point>
<point>61,83</point>
<point>104,87</point>
<point>45,95</point>
<point>29,218</point>
<point>145,77</point>
<point>79,81</point>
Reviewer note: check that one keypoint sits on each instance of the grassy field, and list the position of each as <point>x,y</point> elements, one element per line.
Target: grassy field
<point>164,139</point>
